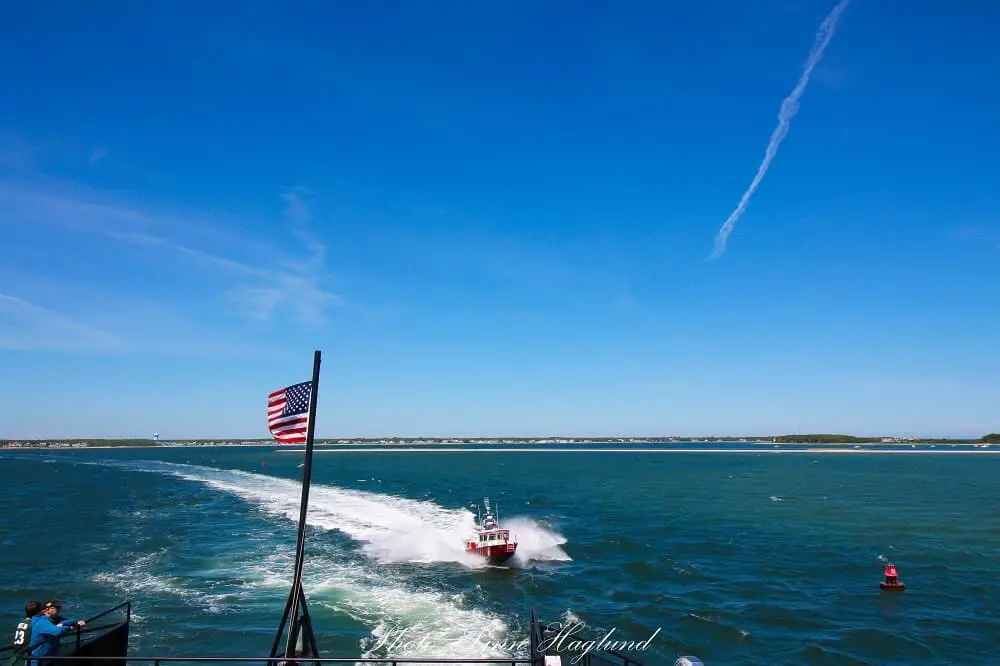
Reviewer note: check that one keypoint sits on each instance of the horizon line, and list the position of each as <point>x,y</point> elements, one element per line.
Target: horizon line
<point>686,438</point>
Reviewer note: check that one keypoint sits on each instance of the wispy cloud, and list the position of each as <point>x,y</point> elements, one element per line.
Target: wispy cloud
<point>27,326</point>
<point>98,155</point>
<point>48,202</point>
<point>299,218</point>
<point>15,152</point>
<point>982,235</point>
<point>967,232</point>
<point>789,107</point>
<point>665,386</point>
<point>260,288</point>
<point>905,384</point>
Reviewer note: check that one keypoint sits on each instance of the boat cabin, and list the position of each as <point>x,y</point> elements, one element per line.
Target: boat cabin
<point>494,537</point>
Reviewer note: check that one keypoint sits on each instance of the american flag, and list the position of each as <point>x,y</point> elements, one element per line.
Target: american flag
<point>288,413</point>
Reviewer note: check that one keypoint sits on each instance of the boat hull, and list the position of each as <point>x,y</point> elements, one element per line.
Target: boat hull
<point>495,554</point>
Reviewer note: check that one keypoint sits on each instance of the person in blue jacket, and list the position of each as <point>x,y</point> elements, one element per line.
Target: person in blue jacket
<point>57,618</point>
<point>45,632</point>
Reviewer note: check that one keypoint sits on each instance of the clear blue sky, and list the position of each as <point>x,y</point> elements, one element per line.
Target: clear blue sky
<point>497,218</point>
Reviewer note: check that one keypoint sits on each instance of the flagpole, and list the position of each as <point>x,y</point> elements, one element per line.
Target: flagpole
<point>298,596</point>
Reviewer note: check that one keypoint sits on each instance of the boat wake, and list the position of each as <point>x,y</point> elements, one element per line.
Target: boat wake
<point>387,530</point>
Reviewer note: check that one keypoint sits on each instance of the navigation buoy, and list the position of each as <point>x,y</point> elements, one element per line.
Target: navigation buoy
<point>891,581</point>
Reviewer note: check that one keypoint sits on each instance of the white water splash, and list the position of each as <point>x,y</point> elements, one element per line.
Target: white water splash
<point>789,107</point>
<point>391,529</point>
<point>413,621</point>
<point>535,543</point>
<point>142,575</point>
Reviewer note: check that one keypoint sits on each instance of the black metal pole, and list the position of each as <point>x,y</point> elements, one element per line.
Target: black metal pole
<point>300,547</point>
<point>281,625</point>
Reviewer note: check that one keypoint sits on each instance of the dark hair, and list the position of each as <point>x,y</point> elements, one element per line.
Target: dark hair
<point>32,608</point>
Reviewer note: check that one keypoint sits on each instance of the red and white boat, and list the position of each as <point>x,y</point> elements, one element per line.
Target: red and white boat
<point>491,541</point>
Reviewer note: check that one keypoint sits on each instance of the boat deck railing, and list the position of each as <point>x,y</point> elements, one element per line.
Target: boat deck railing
<point>114,653</point>
<point>111,618</point>
<point>299,661</point>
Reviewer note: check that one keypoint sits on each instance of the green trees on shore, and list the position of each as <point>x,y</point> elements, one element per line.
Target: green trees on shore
<point>825,439</point>
<point>851,439</point>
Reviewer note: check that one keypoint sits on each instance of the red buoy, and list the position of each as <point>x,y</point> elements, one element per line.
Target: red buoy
<point>891,581</point>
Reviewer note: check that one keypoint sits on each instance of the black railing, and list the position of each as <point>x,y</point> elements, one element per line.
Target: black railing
<point>394,661</point>
<point>79,635</point>
<point>128,612</point>
<point>82,631</point>
<point>535,638</point>
<point>113,653</point>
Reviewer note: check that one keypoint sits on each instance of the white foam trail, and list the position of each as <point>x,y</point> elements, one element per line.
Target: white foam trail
<point>789,107</point>
<point>405,622</point>
<point>138,576</point>
<point>390,529</point>
<point>570,618</point>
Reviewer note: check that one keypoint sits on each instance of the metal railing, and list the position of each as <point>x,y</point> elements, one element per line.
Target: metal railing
<point>79,633</point>
<point>393,661</point>
<point>537,633</point>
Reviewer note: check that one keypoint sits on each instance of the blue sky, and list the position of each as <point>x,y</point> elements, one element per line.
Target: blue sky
<point>498,218</point>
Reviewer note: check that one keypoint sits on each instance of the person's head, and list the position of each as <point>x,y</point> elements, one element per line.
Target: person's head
<point>51,607</point>
<point>32,608</point>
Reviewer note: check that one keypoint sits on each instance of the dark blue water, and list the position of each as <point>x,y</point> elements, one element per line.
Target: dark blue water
<point>745,558</point>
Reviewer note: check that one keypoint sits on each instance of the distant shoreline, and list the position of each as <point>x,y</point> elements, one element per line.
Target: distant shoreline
<point>814,440</point>
<point>695,446</point>
<point>424,448</point>
<point>430,448</point>
<point>623,449</point>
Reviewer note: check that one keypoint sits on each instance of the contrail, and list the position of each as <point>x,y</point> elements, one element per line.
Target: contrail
<point>789,108</point>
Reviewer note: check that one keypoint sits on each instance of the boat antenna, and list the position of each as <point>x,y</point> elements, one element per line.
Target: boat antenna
<point>301,638</point>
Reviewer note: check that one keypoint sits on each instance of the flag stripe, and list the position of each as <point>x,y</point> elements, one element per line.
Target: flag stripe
<point>288,413</point>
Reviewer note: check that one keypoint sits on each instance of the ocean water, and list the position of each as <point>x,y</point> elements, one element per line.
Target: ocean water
<point>744,558</point>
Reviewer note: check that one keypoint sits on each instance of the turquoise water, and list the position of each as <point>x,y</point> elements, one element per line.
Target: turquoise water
<point>736,558</point>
